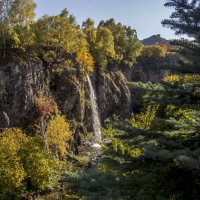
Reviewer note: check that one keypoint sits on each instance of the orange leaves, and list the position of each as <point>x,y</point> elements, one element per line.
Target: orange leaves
<point>45,106</point>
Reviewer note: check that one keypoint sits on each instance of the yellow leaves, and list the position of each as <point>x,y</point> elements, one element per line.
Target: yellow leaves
<point>22,158</point>
<point>12,137</point>
<point>11,168</point>
<point>182,113</point>
<point>58,32</point>
<point>186,114</point>
<point>105,41</point>
<point>135,152</point>
<point>120,145</point>
<point>172,78</point>
<point>37,163</point>
<point>85,60</point>
<point>154,51</point>
<point>144,121</point>
<point>61,34</point>
<point>101,44</point>
<point>183,79</point>
<point>58,135</point>
<point>16,18</point>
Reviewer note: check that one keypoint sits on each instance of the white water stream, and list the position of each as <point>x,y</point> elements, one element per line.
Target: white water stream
<point>95,114</point>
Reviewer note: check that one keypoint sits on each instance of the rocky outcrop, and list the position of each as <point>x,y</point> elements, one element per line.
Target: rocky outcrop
<point>153,72</point>
<point>69,94</point>
<point>155,40</point>
<point>72,96</point>
<point>27,81</point>
<point>114,96</point>
<point>24,82</point>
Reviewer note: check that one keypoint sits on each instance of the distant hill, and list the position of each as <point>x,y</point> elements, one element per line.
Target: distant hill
<point>155,39</point>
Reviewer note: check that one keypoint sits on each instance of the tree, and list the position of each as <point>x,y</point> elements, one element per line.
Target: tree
<point>7,34</point>
<point>87,24</point>
<point>38,165</point>
<point>57,32</point>
<point>126,44</point>
<point>85,59</point>
<point>24,165</point>
<point>151,57</point>
<point>170,146</point>
<point>101,43</point>
<point>104,47</point>
<point>58,136</point>
<point>60,35</point>
<point>12,172</point>
<point>15,20</point>
<point>185,20</point>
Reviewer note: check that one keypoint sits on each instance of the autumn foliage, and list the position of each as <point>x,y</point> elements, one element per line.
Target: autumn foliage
<point>45,106</point>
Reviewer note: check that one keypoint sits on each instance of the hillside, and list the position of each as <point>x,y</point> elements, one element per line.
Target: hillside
<point>155,39</point>
<point>90,112</point>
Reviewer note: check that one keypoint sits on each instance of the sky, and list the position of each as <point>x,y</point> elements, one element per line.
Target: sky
<point>143,15</point>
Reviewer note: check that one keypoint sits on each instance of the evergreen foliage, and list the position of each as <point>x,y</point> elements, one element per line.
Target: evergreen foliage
<point>185,21</point>
<point>152,155</point>
<point>155,154</point>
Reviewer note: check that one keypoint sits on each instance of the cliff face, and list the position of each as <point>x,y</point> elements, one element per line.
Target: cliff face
<point>29,80</point>
<point>23,83</point>
<point>151,71</point>
<point>114,96</point>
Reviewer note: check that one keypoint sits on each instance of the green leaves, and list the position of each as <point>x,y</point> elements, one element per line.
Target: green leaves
<point>24,161</point>
<point>185,21</point>
<point>144,121</point>
<point>15,20</point>
<point>112,43</point>
<point>126,44</point>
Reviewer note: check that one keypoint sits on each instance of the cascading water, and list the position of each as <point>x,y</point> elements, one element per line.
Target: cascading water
<point>95,113</point>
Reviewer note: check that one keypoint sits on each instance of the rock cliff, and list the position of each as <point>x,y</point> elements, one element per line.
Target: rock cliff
<point>28,80</point>
<point>23,82</point>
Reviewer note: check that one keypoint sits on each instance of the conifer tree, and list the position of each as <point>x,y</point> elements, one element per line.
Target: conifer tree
<point>155,154</point>
<point>185,20</point>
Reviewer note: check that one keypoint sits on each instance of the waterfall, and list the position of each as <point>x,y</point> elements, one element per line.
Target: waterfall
<point>95,113</point>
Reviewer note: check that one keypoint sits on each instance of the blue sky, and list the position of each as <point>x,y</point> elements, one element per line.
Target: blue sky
<point>143,15</point>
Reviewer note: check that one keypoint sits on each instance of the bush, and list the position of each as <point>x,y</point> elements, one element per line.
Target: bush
<point>38,165</point>
<point>12,172</point>
<point>24,164</point>
<point>58,136</point>
<point>182,79</point>
<point>45,106</point>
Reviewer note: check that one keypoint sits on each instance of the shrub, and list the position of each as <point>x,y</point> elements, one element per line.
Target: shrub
<point>11,169</point>
<point>182,79</point>
<point>24,164</point>
<point>144,121</point>
<point>58,135</point>
<point>38,165</point>
<point>45,106</point>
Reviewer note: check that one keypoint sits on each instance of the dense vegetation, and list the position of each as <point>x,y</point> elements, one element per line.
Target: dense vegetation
<point>152,155</point>
<point>155,154</point>
<point>34,155</point>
